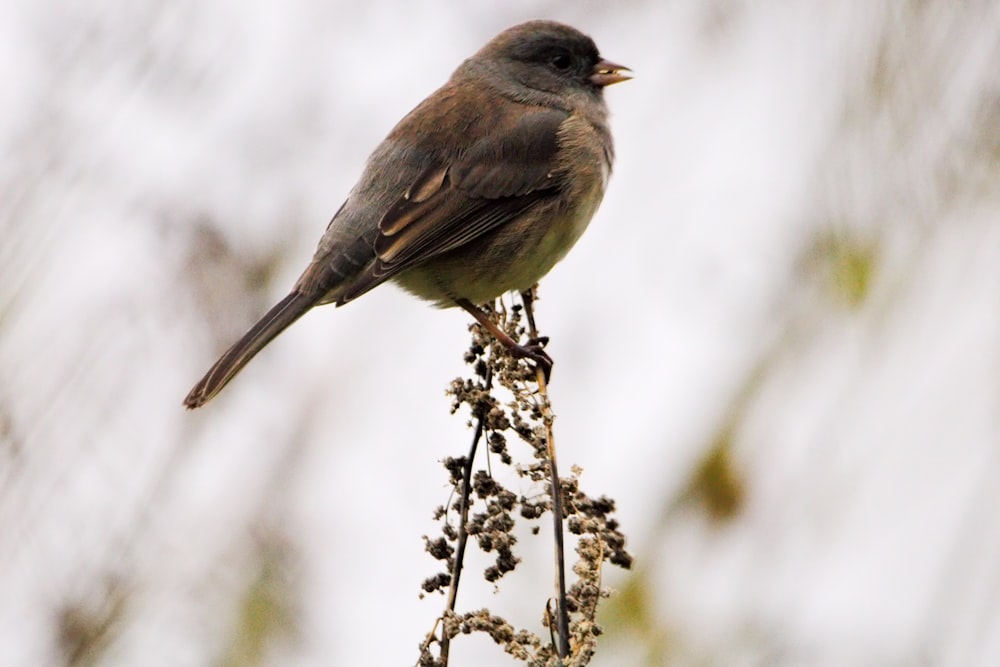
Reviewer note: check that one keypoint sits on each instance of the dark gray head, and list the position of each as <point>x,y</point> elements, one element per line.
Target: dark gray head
<point>547,57</point>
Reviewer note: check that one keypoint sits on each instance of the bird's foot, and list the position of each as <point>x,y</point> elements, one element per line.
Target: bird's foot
<point>534,350</point>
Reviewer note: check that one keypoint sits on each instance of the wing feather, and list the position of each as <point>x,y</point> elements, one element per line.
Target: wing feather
<point>448,205</point>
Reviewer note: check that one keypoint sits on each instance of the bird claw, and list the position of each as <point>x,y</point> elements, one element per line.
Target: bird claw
<point>534,350</point>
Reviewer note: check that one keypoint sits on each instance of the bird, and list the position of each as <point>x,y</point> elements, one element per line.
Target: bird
<point>480,190</point>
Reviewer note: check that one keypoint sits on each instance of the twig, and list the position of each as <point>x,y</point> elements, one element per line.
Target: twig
<point>463,533</point>
<point>562,611</point>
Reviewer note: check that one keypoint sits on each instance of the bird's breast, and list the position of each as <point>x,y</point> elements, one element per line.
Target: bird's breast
<point>518,254</point>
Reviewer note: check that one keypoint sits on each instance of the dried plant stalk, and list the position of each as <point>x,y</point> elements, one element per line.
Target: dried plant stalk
<point>482,509</point>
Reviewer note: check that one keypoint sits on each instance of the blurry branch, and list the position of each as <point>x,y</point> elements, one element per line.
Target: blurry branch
<point>838,270</point>
<point>220,275</point>
<point>267,610</point>
<point>528,415</point>
<point>87,628</point>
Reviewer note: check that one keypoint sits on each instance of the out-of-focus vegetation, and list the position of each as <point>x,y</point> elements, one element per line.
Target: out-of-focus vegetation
<point>776,347</point>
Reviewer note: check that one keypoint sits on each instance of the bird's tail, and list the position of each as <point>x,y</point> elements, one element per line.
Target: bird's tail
<point>279,318</point>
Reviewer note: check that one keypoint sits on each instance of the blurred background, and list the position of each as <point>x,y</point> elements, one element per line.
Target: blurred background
<point>778,345</point>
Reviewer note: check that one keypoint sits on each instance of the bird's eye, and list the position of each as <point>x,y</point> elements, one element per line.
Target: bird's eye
<point>561,61</point>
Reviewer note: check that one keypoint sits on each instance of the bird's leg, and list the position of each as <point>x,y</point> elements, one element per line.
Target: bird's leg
<point>528,299</point>
<point>533,350</point>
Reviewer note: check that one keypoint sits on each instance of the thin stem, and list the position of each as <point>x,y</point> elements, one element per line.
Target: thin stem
<point>562,613</point>
<point>463,534</point>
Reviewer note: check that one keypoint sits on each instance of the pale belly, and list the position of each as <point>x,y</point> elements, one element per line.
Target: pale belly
<point>513,257</point>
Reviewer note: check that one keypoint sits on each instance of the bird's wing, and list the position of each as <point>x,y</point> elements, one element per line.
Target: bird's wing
<point>490,183</point>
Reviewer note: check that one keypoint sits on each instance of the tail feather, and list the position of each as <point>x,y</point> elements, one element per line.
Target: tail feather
<point>279,318</point>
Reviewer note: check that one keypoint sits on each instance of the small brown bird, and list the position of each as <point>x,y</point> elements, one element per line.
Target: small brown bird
<point>478,191</point>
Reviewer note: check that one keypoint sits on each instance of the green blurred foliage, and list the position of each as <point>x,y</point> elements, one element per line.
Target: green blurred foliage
<point>848,265</point>
<point>266,612</point>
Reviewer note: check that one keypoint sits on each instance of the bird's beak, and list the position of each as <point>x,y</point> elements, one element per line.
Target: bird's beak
<point>607,73</point>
